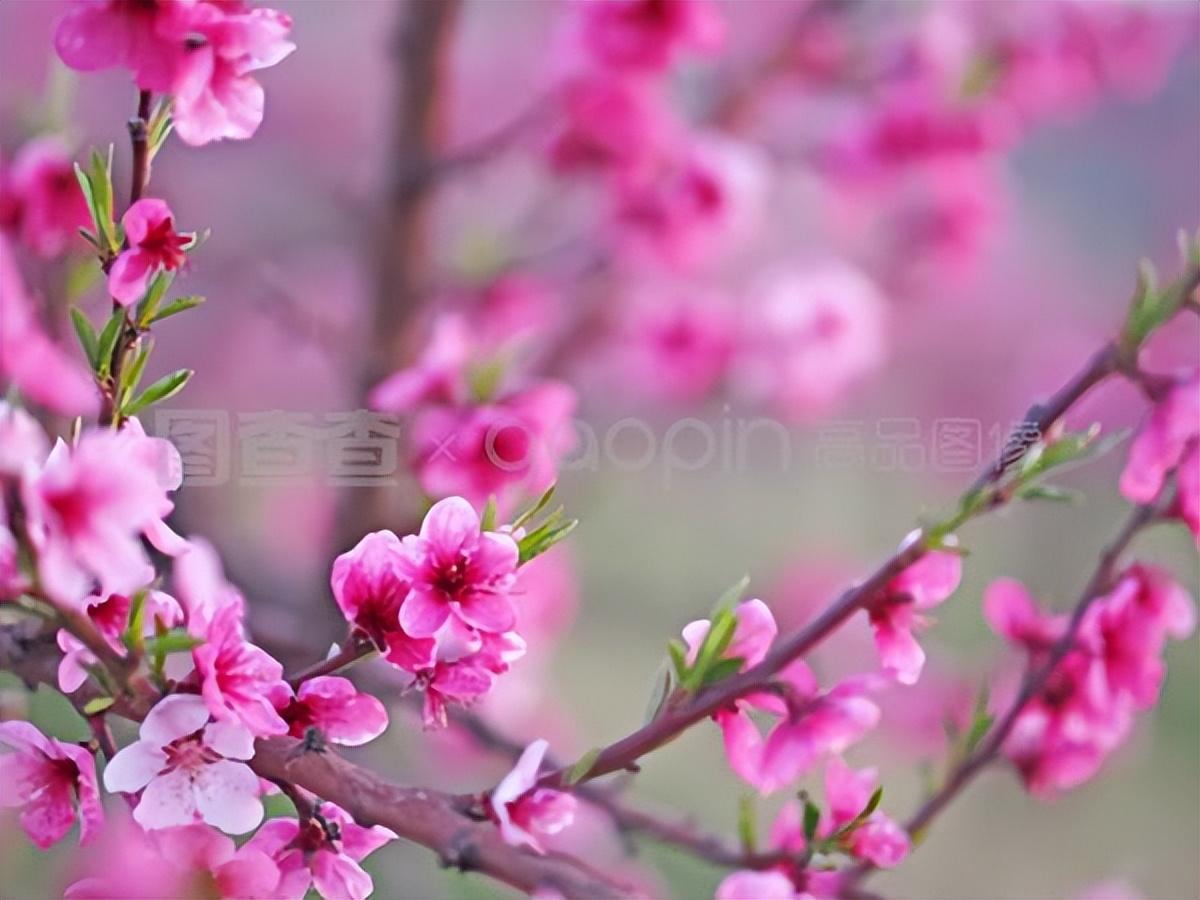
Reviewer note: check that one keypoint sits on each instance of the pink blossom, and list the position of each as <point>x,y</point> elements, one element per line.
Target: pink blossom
<point>189,768</point>
<point>752,635</point>
<point>750,885</point>
<point>464,671</point>
<point>215,95</point>
<point>696,206</point>
<point>43,202</point>
<point>153,243</point>
<point>436,377</point>
<point>494,448</point>
<point>813,333</point>
<point>89,506</point>
<point>237,677</point>
<point>923,585</point>
<point>679,343</point>
<point>52,781</point>
<point>201,586</point>
<point>184,860</point>
<point>609,123</point>
<point>455,569</point>
<point>110,616</point>
<point>878,839</point>
<point>647,34</point>
<point>1168,440</point>
<point>334,707</point>
<point>809,724</point>
<point>323,853</point>
<point>29,358</point>
<point>525,812</point>
<point>146,38</point>
<point>369,584</point>
<point>23,443</point>
<point>1115,667</point>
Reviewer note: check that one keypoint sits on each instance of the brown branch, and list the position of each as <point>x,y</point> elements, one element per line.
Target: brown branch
<point>139,142</point>
<point>422,43</point>
<point>623,754</point>
<point>433,819</point>
<point>357,646</point>
<point>1034,682</point>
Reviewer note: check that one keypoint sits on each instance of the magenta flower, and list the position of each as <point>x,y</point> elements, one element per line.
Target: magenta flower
<point>326,857</point>
<point>923,585</point>
<point>455,569</point>
<point>41,199</point>
<point>748,884</point>
<point>89,506</point>
<point>878,839</point>
<point>648,34</point>
<point>369,584</point>
<point>189,768</point>
<point>1085,711</point>
<point>237,678</point>
<point>525,812</point>
<point>1169,440</point>
<point>436,377</point>
<point>30,359</point>
<point>145,37</point>
<point>610,123</point>
<point>215,95</point>
<point>153,244</point>
<point>52,781</point>
<point>333,706</point>
<point>110,615</point>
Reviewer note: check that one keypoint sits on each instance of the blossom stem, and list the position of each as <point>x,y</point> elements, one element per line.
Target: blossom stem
<point>356,647</point>
<point>139,140</point>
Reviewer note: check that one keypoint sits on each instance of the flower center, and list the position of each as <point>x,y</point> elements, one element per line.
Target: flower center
<point>189,754</point>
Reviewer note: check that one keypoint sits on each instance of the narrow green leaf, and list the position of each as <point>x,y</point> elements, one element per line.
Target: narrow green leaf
<point>148,305</point>
<point>176,306</point>
<point>660,692</point>
<point>542,502</point>
<point>544,541</point>
<point>584,765</point>
<point>132,375</point>
<point>678,654</point>
<point>487,522</point>
<point>86,334</point>
<point>97,705</point>
<point>163,389</point>
<point>747,824</point>
<point>173,641</point>
<point>1050,492</point>
<point>720,635</point>
<point>135,628</point>
<point>108,340</point>
<point>733,593</point>
<point>89,195</point>
<point>812,818</point>
<point>722,669</point>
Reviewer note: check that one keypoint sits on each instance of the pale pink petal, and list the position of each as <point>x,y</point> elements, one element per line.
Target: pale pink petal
<point>168,800</point>
<point>173,717</point>
<point>230,738</point>
<point>335,875</point>
<point>133,767</point>
<point>899,652</point>
<point>748,885</point>
<point>227,796</point>
<point>523,775</point>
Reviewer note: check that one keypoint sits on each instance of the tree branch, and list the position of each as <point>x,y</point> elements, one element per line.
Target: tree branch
<point>1035,680</point>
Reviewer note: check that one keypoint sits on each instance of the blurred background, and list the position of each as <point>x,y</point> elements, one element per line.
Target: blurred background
<point>992,293</point>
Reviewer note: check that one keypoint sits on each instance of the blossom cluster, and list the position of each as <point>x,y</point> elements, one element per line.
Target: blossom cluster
<point>201,53</point>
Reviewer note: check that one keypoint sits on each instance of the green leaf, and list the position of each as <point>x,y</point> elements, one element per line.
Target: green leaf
<point>135,628</point>
<point>584,765</point>
<point>541,540</point>
<point>163,389</point>
<point>812,818</point>
<point>86,334</point>
<point>148,305</point>
<point>89,195</point>
<point>133,372</point>
<point>678,654</point>
<point>107,341</point>
<point>733,594</point>
<point>664,683</point>
<point>1050,492</point>
<point>722,669</point>
<point>174,641</point>
<point>747,824</point>
<point>80,277</point>
<point>542,502</point>
<point>716,642</point>
<point>97,705</point>
<point>487,521</point>
<point>176,306</point>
